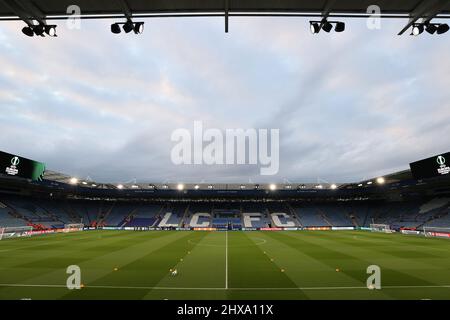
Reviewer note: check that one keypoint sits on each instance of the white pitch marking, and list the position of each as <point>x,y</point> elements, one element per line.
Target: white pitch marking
<point>260,243</point>
<point>237,289</point>
<point>226,260</point>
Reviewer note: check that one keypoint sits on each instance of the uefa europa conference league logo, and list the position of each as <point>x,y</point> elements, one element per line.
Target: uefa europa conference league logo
<point>443,168</point>
<point>12,170</point>
<point>229,147</point>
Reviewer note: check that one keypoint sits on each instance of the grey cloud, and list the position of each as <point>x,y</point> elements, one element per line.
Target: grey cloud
<point>348,106</point>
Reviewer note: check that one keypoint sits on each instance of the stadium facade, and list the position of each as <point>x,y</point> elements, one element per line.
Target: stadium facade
<point>398,200</point>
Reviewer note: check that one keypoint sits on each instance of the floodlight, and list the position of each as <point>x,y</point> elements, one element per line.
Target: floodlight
<point>327,26</point>
<point>380,180</point>
<point>50,30</point>
<point>369,182</point>
<point>39,29</point>
<point>273,187</point>
<point>340,27</point>
<point>197,187</point>
<point>28,31</point>
<point>180,186</point>
<point>315,27</point>
<point>431,28</point>
<point>442,28</point>
<point>115,28</point>
<point>120,187</point>
<point>73,181</point>
<point>128,26</point>
<point>333,186</point>
<point>138,27</point>
<point>417,29</point>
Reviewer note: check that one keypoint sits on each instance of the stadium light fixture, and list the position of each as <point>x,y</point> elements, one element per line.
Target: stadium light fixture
<point>50,30</point>
<point>340,27</point>
<point>28,31</point>
<point>380,180</point>
<point>360,185</point>
<point>39,30</point>
<point>327,26</point>
<point>128,26</point>
<point>272,187</point>
<point>210,187</point>
<point>417,29</point>
<point>134,186</point>
<point>180,186</point>
<point>120,186</point>
<point>369,182</point>
<point>115,28</point>
<point>442,28</point>
<point>94,185</point>
<point>315,27</point>
<point>319,186</point>
<point>84,183</point>
<point>196,187</point>
<point>333,186</point>
<point>242,187</point>
<point>431,28</point>
<point>73,181</point>
<point>138,27</point>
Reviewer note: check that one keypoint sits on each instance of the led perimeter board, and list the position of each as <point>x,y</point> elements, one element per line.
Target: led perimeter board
<point>13,165</point>
<point>436,166</point>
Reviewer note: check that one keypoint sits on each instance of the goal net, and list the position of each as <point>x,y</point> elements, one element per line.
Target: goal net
<point>436,232</point>
<point>15,232</point>
<point>72,227</point>
<point>380,228</point>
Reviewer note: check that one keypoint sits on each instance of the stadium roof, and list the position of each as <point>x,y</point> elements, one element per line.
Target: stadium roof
<point>89,183</point>
<point>39,10</point>
<point>59,7</point>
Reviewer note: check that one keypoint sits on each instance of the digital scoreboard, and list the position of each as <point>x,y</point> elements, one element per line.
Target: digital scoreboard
<point>13,165</point>
<point>436,166</point>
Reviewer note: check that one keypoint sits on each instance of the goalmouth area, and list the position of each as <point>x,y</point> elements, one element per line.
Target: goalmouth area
<point>225,265</point>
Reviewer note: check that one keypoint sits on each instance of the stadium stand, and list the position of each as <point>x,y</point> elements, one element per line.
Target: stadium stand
<point>55,213</point>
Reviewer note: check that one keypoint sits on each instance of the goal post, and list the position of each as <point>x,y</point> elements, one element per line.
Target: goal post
<point>438,232</point>
<point>15,232</point>
<point>380,228</point>
<point>72,227</point>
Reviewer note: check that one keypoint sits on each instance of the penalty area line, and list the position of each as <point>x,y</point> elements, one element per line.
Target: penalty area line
<point>226,260</point>
<point>18,285</point>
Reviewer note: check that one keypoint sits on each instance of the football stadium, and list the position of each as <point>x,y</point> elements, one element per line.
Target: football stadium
<point>226,241</point>
<point>215,156</point>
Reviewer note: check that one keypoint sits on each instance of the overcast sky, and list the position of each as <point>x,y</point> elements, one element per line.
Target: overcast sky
<point>348,106</point>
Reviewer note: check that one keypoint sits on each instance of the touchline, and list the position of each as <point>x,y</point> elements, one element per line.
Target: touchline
<point>213,146</point>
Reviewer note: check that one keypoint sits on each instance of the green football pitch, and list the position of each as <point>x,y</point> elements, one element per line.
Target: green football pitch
<point>225,265</point>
